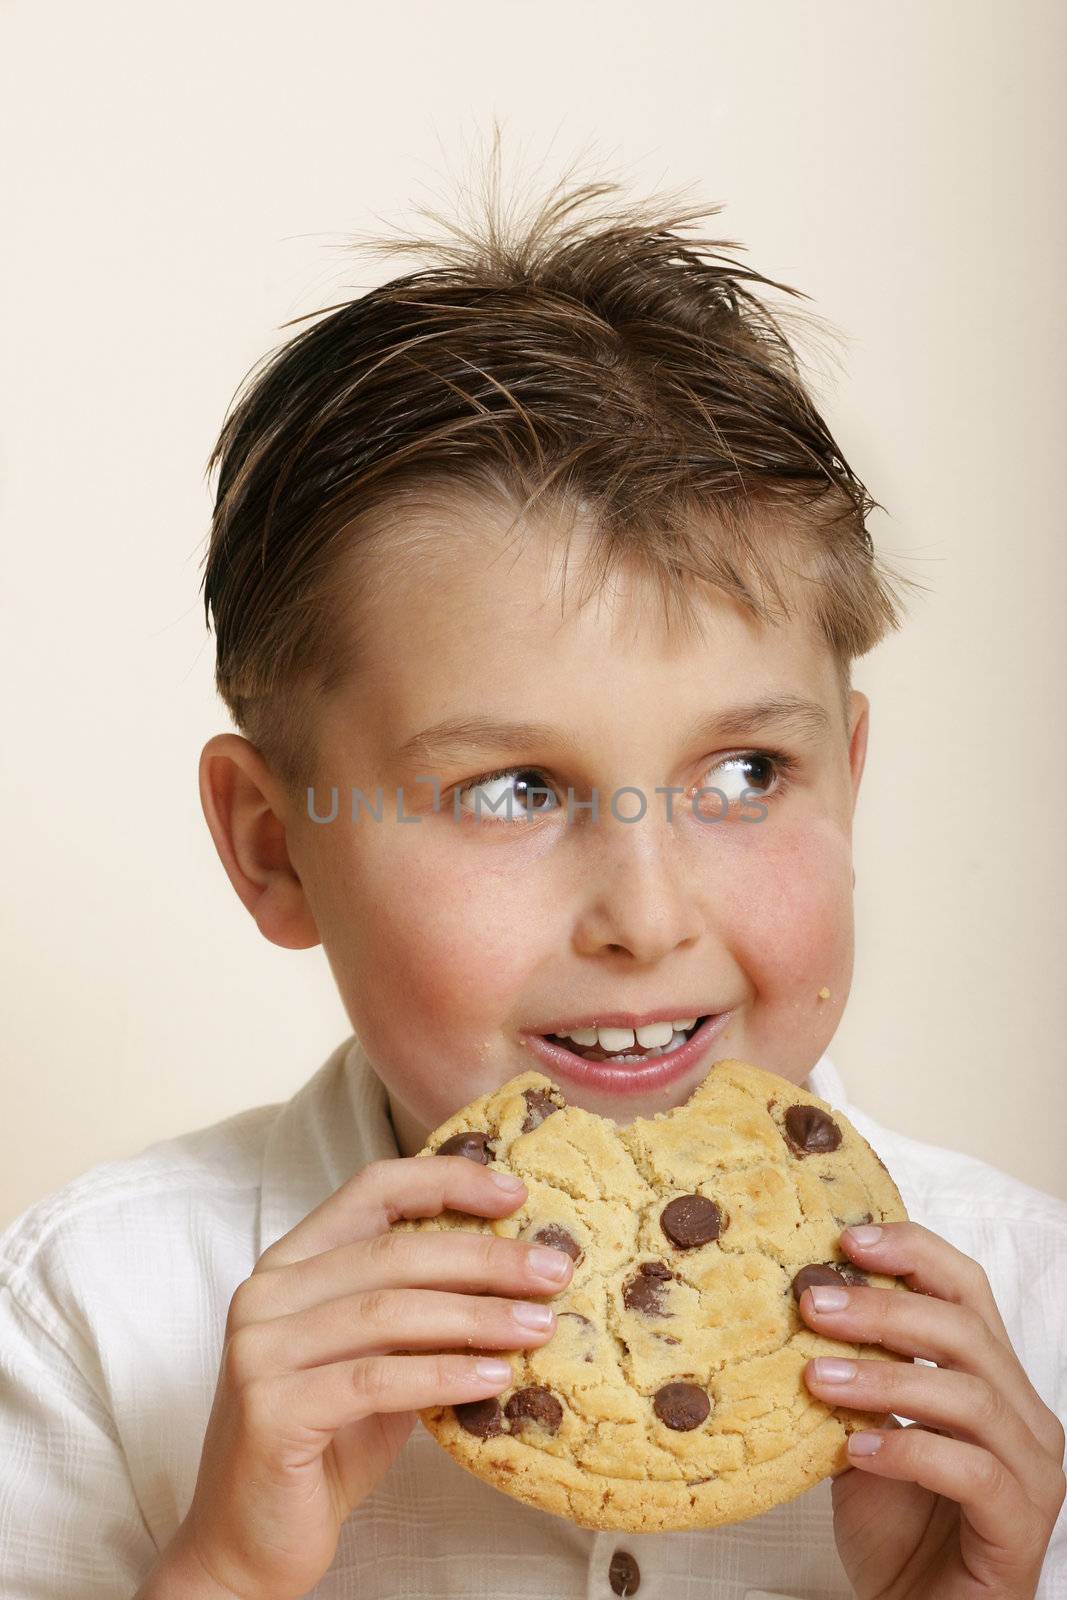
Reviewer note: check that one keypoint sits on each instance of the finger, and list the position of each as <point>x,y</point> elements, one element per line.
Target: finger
<point>927,1263</point>
<point>323,1399</point>
<point>1012,1530</point>
<point>378,1194</point>
<point>967,1406</point>
<point>889,1421</point>
<point>953,1335</point>
<point>383,1322</point>
<point>473,1262</point>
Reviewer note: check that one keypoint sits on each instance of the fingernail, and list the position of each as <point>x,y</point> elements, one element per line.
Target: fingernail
<point>509,1184</point>
<point>549,1264</point>
<point>825,1298</point>
<point>828,1369</point>
<point>493,1371</point>
<point>864,1234</point>
<point>530,1315</point>
<point>864,1444</point>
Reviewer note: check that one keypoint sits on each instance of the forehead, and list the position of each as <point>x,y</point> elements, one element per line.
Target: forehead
<point>464,608</point>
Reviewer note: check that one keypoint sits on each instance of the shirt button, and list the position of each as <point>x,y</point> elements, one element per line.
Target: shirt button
<point>624,1574</point>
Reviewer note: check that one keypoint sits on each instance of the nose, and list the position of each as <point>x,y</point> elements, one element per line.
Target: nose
<point>641,900</point>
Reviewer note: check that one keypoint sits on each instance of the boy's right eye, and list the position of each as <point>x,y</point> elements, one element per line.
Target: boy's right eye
<point>492,797</point>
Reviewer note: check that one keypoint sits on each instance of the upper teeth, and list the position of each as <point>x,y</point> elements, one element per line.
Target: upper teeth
<point>656,1033</point>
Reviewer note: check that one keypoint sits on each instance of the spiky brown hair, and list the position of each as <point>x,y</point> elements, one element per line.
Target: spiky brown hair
<point>590,359</point>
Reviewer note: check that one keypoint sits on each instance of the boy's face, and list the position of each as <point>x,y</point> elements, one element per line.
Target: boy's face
<point>449,939</point>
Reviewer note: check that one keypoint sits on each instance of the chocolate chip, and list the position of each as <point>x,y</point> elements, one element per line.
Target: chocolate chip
<point>690,1220</point>
<point>644,1291</point>
<point>539,1105</point>
<point>534,1404</point>
<point>816,1273</point>
<point>480,1417</point>
<point>810,1130</point>
<point>557,1238</point>
<point>853,1222</point>
<point>668,1338</point>
<point>472,1145</point>
<point>624,1574</point>
<point>681,1406</point>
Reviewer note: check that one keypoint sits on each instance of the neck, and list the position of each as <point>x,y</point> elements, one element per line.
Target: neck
<point>409,1134</point>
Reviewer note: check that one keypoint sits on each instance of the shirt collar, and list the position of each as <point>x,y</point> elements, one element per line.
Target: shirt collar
<point>825,1081</point>
<point>339,1121</point>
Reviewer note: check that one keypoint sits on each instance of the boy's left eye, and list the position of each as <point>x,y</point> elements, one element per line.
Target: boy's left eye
<point>533,795</point>
<point>768,765</point>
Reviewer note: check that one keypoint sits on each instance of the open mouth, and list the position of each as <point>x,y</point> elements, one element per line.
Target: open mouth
<point>623,1061</point>
<point>622,1045</point>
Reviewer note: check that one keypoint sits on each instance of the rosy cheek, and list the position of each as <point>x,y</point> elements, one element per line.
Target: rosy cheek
<point>461,959</point>
<point>792,935</point>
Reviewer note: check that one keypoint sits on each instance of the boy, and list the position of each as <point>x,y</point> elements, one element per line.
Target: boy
<point>512,816</point>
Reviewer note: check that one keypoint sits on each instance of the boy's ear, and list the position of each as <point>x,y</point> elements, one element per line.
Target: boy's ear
<point>859,708</point>
<point>244,807</point>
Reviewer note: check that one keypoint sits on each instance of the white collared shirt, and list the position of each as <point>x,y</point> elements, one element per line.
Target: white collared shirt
<point>114,1293</point>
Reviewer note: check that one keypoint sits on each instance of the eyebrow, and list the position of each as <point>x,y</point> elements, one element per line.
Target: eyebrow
<point>459,735</point>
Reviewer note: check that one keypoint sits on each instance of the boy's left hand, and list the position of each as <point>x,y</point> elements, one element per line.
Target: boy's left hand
<point>962,1504</point>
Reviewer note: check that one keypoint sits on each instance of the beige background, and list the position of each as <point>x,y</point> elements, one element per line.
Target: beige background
<point>181,179</point>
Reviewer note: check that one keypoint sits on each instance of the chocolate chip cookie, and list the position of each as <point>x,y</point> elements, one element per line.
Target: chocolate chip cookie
<point>671,1393</point>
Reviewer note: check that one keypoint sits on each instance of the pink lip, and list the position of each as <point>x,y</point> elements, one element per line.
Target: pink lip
<point>631,1077</point>
<point>623,1019</point>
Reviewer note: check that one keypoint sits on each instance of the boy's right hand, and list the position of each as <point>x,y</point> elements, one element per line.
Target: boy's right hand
<point>311,1406</point>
